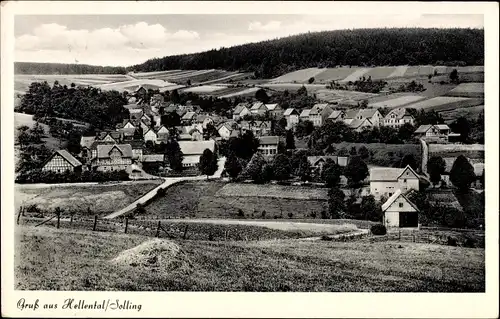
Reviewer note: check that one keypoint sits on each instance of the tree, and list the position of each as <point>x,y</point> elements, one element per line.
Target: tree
<point>331,173</point>
<point>304,170</point>
<point>171,119</point>
<point>436,166</point>
<point>363,152</point>
<point>336,204</point>
<point>208,163</point>
<point>267,173</point>
<point>462,173</point>
<point>353,151</point>
<point>371,209</point>
<point>262,96</point>
<point>409,159</point>
<point>290,140</point>
<point>463,127</point>
<point>356,171</point>
<point>304,128</point>
<point>311,80</point>
<point>233,166</point>
<point>254,167</point>
<point>174,155</point>
<point>405,132</point>
<point>282,167</point>
<point>454,76</point>
<point>302,91</point>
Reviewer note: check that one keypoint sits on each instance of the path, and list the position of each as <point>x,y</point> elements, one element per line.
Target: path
<point>168,182</point>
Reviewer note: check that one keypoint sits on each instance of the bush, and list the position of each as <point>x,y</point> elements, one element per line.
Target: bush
<point>378,229</point>
<point>241,213</point>
<point>161,192</point>
<point>263,214</point>
<point>451,241</point>
<point>290,215</point>
<point>325,237</point>
<point>139,209</point>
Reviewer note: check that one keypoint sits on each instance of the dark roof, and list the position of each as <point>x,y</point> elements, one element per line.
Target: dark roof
<point>104,150</point>
<point>269,140</point>
<point>67,156</point>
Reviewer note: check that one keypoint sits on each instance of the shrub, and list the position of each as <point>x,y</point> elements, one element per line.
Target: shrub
<point>325,237</point>
<point>451,241</point>
<point>263,214</point>
<point>313,214</point>
<point>241,213</point>
<point>378,229</point>
<point>161,192</point>
<point>290,215</point>
<point>139,209</point>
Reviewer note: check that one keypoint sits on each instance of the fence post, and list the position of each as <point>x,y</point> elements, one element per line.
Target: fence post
<point>58,219</point>
<point>158,229</point>
<point>71,219</point>
<point>19,215</point>
<point>399,238</point>
<point>95,223</point>
<point>413,237</point>
<point>185,232</point>
<point>225,235</point>
<point>126,224</point>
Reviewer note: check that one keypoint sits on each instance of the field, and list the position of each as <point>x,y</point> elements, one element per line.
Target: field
<point>342,96</point>
<point>293,86</point>
<point>240,92</point>
<point>380,73</point>
<point>468,90</point>
<point>398,71</point>
<point>396,101</point>
<point>50,259</point>
<point>22,81</point>
<point>355,75</point>
<point>419,70</point>
<point>299,76</point>
<point>333,74</point>
<point>467,112</point>
<point>444,103</point>
<point>204,89</point>
<point>454,150</point>
<point>204,199</point>
<point>384,154</point>
<point>100,198</point>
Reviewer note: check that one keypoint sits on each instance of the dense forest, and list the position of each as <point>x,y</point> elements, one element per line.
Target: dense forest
<point>61,68</point>
<point>333,48</point>
<point>319,49</point>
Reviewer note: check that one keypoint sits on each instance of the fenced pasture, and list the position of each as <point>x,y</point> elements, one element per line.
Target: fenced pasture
<point>45,254</point>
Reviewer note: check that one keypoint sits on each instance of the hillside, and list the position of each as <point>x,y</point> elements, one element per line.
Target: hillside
<point>273,58</point>
<point>332,48</point>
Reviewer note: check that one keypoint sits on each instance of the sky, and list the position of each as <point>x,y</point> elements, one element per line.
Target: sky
<point>124,40</point>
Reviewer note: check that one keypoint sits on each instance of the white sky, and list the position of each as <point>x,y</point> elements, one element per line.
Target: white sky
<point>127,39</point>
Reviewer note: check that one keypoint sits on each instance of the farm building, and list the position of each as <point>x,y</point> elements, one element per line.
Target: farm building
<point>127,128</point>
<point>86,146</point>
<point>228,130</point>
<point>188,118</point>
<point>371,114</point>
<point>258,128</point>
<point>113,157</point>
<point>399,211</point>
<point>398,117</point>
<point>192,151</point>
<point>258,108</point>
<point>61,161</point>
<point>292,118</point>
<point>304,115</point>
<point>240,111</point>
<point>320,113</point>
<point>136,114</point>
<point>433,133</point>
<point>109,137</point>
<point>268,145</point>
<point>385,181</point>
<point>359,125</point>
<point>336,115</point>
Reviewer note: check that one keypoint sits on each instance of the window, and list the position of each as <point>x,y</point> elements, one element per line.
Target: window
<point>400,205</point>
<point>404,180</point>
<point>390,194</point>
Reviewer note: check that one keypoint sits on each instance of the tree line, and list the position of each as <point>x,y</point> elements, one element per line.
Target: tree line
<point>364,47</point>
<point>63,68</point>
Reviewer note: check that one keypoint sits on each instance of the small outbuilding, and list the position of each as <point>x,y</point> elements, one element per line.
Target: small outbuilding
<point>399,211</point>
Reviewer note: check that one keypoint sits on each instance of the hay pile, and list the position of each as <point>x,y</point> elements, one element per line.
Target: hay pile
<point>157,253</point>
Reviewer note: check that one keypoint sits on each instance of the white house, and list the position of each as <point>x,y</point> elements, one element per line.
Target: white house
<point>359,125</point>
<point>227,130</point>
<point>275,110</point>
<point>113,157</point>
<point>258,108</point>
<point>240,111</point>
<point>192,151</point>
<point>292,118</point>
<point>399,211</point>
<point>268,145</point>
<point>304,115</point>
<point>436,133</point>
<point>371,114</point>
<point>398,117</point>
<point>336,115</point>
<point>320,113</point>
<point>151,135</point>
<point>385,181</point>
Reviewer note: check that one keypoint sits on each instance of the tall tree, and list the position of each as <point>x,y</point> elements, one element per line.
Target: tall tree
<point>281,166</point>
<point>331,173</point>
<point>174,155</point>
<point>336,204</point>
<point>463,127</point>
<point>304,170</point>
<point>409,159</point>
<point>356,171</point>
<point>436,166</point>
<point>363,152</point>
<point>254,167</point>
<point>262,96</point>
<point>233,166</point>
<point>208,163</point>
<point>462,173</point>
<point>290,140</point>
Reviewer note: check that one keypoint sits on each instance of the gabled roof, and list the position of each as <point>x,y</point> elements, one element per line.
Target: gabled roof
<point>269,140</point>
<point>423,128</point>
<point>367,113</point>
<point>272,107</point>
<point>67,156</point>
<point>335,114</point>
<point>388,174</point>
<point>240,107</point>
<point>318,108</point>
<point>135,111</point>
<point>357,123</point>
<point>290,111</point>
<point>351,114</point>
<point>104,150</point>
<point>196,147</point>
<point>313,160</point>
<point>442,127</point>
<point>393,198</point>
<point>400,112</point>
<point>305,113</point>
<point>86,141</point>
<point>152,158</point>
<point>258,105</point>
<point>189,115</point>
<point>408,167</point>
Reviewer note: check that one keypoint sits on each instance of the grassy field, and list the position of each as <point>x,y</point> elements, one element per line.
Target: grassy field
<point>384,154</point>
<point>50,259</point>
<point>299,76</point>
<point>397,101</point>
<point>340,96</point>
<point>445,103</point>
<point>100,198</point>
<point>468,90</point>
<point>467,112</point>
<point>204,89</point>
<point>202,199</point>
<point>333,74</point>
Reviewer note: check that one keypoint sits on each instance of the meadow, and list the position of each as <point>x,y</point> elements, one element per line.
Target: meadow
<point>393,101</point>
<point>468,90</point>
<point>68,259</point>
<point>445,103</point>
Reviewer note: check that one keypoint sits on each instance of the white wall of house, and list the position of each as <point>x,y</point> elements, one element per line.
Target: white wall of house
<point>224,132</point>
<point>391,215</point>
<point>292,121</point>
<point>150,136</point>
<point>383,188</point>
<point>269,150</point>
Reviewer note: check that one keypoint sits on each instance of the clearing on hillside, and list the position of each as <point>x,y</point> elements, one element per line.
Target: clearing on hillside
<point>468,90</point>
<point>342,96</point>
<point>355,75</point>
<point>333,74</point>
<point>42,254</point>
<point>299,76</point>
<point>442,103</point>
<point>395,102</point>
<point>467,112</point>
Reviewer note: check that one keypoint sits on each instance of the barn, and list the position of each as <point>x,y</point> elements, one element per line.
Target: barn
<point>399,211</point>
<point>61,161</point>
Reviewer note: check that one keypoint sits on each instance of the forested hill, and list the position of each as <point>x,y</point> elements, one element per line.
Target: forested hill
<point>60,68</point>
<point>272,58</point>
<point>331,48</point>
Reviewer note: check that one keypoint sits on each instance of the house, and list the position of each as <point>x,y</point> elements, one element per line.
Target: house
<point>292,118</point>
<point>258,108</point>
<point>203,120</point>
<point>350,115</point>
<point>317,162</point>
<point>146,119</point>
<point>376,119</point>
<point>320,113</point>
<point>192,151</point>
<point>127,128</point>
<point>359,125</point>
<point>336,115</point>
<point>86,147</point>
<point>275,110</point>
<point>188,118</point>
<point>61,161</point>
<point>258,128</point>
<point>240,111</point>
<point>399,211</point>
<point>304,115</point>
<point>433,133</point>
<point>109,137</point>
<point>162,134</point>
<point>449,161</point>
<point>398,117</point>
<point>228,130</point>
<point>385,181</point>
<point>113,157</point>
<point>151,135</point>
<point>137,146</point>
<point>268,145</point>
